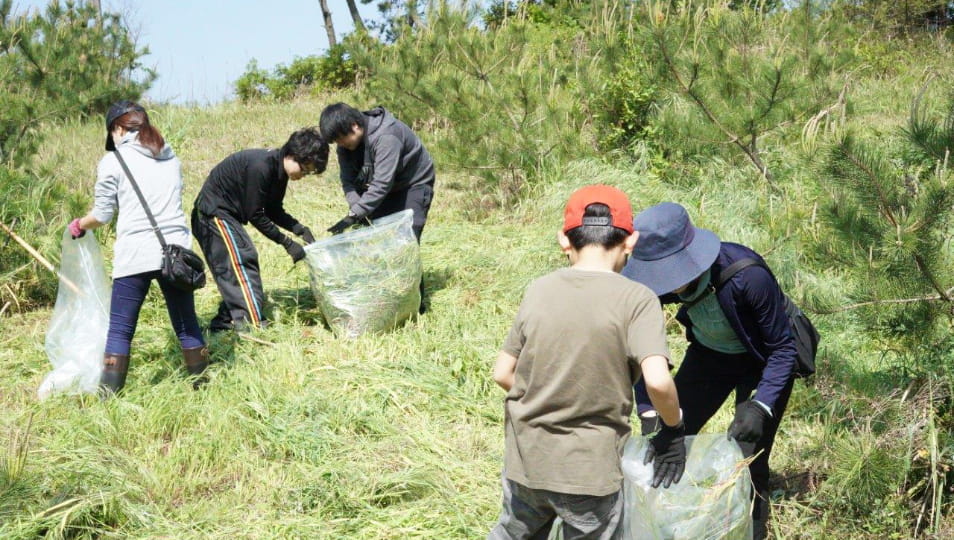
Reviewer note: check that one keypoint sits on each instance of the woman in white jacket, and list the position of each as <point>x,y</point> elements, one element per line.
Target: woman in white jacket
<point>137,255</point>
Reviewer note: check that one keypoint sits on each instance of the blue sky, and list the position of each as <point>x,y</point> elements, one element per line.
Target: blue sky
<point>199,47</point>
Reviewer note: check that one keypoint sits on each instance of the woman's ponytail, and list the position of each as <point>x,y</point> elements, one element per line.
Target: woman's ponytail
<point>149,136</point>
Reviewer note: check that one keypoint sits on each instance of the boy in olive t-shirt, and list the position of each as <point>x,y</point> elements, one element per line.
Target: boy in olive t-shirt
<point>582,336</point>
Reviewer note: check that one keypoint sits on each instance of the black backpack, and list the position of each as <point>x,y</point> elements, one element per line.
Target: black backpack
<point>804,332</point>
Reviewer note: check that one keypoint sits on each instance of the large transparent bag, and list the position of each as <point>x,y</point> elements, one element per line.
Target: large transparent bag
<point>76,336</point>
<point>711,502</point>
<point>367,279</point>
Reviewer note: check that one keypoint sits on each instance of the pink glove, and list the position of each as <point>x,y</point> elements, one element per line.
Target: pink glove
<point>75,230</point>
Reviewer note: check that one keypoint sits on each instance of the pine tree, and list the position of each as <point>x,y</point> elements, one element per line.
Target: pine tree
<point>505,102</point>
<point>69,61</point>
<point>356,17</point>
<point>744,72</point>
<point>329,24</point>
<point>889,214</point>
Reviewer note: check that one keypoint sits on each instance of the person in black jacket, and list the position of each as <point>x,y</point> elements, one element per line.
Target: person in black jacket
<point>249,187</point>
<point>739,335</point>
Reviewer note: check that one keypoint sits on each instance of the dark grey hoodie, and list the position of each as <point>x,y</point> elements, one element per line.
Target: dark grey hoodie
<point>397,161</point>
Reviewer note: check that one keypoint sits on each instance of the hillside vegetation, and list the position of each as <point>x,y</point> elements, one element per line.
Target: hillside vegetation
<point>819,137</point>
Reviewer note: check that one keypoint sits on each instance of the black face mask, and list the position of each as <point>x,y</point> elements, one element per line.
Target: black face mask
<point>692,286</point>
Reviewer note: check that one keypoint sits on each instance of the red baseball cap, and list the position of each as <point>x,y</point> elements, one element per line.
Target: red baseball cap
<point>621,213</point>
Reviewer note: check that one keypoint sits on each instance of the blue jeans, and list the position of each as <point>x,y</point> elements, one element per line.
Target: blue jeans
<point>129,292</point>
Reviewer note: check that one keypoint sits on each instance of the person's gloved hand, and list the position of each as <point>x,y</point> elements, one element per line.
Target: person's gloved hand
<point>749,422</point>
<point>340,227</point>
<point>649,424</point>
<point>667,451</point>
<point>347,222</point>
<point>295,250</point>
<point>75,230</point>
<point>304,233</point>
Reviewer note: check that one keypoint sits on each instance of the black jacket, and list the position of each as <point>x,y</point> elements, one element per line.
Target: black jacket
<point>396,160</point>
<point>249,186</point>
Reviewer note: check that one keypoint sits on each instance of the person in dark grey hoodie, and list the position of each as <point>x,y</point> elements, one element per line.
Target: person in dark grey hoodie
<point>384,167</point>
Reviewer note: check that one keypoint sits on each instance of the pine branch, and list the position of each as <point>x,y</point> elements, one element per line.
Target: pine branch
<point>928,298</point>
<point>773,96</point>
<point>751,153</point>
<point>926,272</point>
<point>868,172</point>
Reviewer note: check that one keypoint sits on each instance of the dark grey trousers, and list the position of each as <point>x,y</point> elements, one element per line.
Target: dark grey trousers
<point>530,513</point>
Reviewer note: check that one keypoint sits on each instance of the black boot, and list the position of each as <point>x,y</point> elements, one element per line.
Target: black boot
<point>115,367</point>
<point>760,514</point>
<point>196,360</point>
<point>222,320</point>
<point>422,309</point>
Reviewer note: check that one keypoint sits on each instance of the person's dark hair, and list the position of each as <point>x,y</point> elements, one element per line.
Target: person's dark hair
<point>307,146</point>
<point>337,120</point>
<point>607,236</point>
<point>148,135</point>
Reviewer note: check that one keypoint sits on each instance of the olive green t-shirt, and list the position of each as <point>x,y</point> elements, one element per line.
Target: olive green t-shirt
<point>579,337</point>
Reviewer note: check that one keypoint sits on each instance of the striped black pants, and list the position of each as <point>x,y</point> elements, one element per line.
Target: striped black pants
<point>233,262</point>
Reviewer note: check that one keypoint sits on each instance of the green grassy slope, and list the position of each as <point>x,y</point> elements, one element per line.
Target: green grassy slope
<point>390,436</point>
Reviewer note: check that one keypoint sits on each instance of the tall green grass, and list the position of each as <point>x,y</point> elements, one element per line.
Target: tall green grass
<point>400,435</point>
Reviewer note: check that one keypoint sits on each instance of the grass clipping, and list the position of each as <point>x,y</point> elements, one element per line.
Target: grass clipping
<point>367,279</point>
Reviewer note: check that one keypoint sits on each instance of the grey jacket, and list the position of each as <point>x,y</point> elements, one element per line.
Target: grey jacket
<point>137,249</point>
<point>396,161</point>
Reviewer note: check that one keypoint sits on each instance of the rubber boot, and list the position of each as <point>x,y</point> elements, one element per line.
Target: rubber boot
<point>760,515</point>
<point>196,360</point>
<point>422,309</point>
<point>115,367</point>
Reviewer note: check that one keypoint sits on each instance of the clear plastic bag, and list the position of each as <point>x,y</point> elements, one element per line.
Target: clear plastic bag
<point>368,279</point>
<point>710,502</point>
<point>76,336</point>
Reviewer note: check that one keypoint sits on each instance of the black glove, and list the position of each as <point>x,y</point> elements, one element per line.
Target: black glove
<point>304,233</point>
<point>295,250</point>
<point>340,227</point>
<point>649,424</point>
<point>750,419</point>
<point>347,222</point>
<point>667,451</point>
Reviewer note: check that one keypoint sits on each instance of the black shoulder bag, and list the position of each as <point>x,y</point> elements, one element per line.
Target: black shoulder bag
<point>804,332</point>
<point>181,267</point>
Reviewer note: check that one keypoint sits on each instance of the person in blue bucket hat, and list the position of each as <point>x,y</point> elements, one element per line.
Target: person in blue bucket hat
<point>739,335</point>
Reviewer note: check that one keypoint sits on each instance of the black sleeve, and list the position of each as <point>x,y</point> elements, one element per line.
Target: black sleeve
<point>275,209</point>
<point>256,196</point>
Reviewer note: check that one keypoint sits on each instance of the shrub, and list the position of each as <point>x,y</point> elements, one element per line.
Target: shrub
<point>330,71</point>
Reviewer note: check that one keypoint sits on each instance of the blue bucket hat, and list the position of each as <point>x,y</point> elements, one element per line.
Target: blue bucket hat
<point>670,251</point>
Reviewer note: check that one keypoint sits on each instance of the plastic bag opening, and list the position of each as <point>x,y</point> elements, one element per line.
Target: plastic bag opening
<point>367,279</point>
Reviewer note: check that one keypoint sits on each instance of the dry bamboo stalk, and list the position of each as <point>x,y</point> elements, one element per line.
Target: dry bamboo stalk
<point>243,335</point>
<point>40,258</point>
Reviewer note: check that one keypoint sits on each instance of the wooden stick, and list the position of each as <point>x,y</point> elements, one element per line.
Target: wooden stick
<point>243,335</point>
<point>42,260</point>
